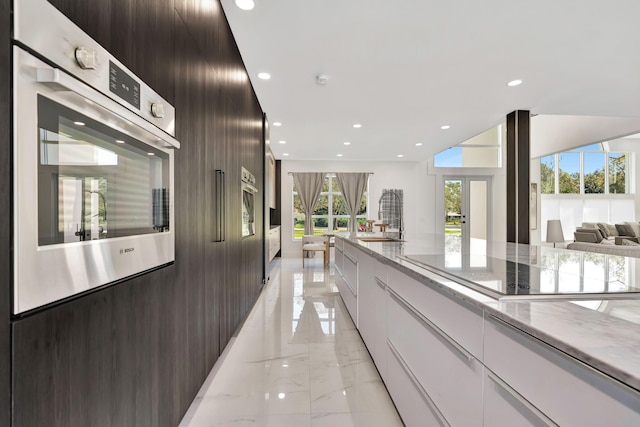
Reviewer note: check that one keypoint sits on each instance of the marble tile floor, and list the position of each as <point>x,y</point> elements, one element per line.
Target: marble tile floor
<point>298,360</point>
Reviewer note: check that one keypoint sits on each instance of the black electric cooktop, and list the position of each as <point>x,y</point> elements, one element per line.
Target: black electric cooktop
<point>555,275</point>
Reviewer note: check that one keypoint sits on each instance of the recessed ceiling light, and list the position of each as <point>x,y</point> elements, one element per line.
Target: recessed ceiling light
<point>400,155</point>
<point>419,144</point>
<point>119,141</point>
<point>339,155</point>
<point>282,142</point>
<point>357,126</point>
<point>78,123</point>
<point>514,82</point>
<point>285,154</point>
<point>445,127</point>
<point>264,76</point>
<point>277,124</point>
<point>347,143</point>
<point>151,154</point>
<point>245,4</point>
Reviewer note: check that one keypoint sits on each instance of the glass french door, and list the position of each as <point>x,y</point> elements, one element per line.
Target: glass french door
<point>466,207</point>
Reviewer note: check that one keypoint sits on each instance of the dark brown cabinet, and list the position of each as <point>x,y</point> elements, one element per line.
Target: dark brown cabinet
<point>136,353</point>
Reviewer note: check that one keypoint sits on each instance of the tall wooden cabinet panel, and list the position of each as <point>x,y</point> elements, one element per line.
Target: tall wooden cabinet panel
<point>213,250</point>
<point>189,196</point>
<point>154,24</point>
<point>5,214</point>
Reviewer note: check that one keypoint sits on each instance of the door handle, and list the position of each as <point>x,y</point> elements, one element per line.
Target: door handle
<point>219,210</point>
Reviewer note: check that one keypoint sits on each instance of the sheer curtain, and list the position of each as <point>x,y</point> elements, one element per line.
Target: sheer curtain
<point>352,186</point>
<point>309,186</point>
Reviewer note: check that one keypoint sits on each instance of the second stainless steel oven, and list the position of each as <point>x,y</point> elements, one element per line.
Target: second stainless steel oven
<point>248,203</point>
<point>93,164</point>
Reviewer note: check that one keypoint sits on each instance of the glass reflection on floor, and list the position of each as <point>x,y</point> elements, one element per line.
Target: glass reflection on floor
<point>314,311</point>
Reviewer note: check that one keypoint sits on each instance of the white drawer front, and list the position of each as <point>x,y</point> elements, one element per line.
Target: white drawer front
<point>350,272</point>
<point>347,296</point>
<point>566,391</point>
<point>380,271</point>
<point>459,320</point>
<point>338,257</point>
<point>504,407</point>
<point>379,352</point>
<point>448,373</point>
<point>414,405</point>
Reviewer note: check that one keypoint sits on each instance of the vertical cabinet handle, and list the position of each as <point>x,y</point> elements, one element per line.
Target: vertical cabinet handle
<point>219,209</point>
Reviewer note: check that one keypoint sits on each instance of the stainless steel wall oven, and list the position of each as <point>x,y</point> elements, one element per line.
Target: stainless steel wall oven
<point>248,204</point>
<point>93,163</point>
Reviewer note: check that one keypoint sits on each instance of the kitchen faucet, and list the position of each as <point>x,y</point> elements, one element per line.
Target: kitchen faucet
<point>401,227</point>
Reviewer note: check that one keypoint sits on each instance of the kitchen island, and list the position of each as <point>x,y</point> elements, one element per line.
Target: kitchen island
<point>496,334</point>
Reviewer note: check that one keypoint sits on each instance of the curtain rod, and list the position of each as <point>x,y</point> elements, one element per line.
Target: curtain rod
<point>328,173</point>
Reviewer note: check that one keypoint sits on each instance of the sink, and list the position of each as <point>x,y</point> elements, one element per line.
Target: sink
<point>377,239</point>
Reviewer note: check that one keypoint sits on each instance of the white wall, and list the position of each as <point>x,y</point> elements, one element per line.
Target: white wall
<point>553,134</point>
<point>418,193</point>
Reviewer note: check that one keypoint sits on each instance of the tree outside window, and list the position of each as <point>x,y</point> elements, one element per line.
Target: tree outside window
<point>587,170</point>
<point>548,175</point>
<point>617,173</point>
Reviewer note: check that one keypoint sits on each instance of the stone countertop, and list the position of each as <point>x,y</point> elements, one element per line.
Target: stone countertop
<point>603,333</point>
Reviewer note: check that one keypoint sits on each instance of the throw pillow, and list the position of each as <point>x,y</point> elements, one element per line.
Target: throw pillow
<point>625,230</point>
<point>612,230</point>
<point>635,227</point>
<point>597,235</point>
<point>603,228</point>
<point>627,242</point>
<point>608,242</point>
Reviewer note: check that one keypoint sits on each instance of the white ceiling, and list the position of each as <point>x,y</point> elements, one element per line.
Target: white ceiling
<point>404,68</point>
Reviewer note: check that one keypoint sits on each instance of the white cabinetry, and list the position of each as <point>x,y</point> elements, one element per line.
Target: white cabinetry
<point>379,351</point>
<point>447,373</point>
<point>460,321</point>
<point>348,282</point>
<point>550,385</point>
<point>366,299</point>
<point>274,242</point>
<point>414,405</point>
<point>446,362</point>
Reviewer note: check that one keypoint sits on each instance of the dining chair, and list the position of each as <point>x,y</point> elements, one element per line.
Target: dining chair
<point>313,244</point>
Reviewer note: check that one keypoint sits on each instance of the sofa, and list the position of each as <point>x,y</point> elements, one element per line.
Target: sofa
<point>619,239</point>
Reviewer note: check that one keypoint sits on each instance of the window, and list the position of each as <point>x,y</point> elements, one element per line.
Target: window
<point>586,170</point>
<point>548,175</point>
<point>617,172</point>
<point>330,213</point>
<point>569,173</point>
<point>481,151</point>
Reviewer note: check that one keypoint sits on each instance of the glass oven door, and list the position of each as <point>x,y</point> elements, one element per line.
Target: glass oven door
<point>95,182</point>
<point>248,210</point>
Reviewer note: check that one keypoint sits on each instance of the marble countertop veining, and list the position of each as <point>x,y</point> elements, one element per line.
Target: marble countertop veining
<point>602,333</point>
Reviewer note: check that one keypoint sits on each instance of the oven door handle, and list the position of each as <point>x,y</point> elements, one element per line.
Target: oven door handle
<point>60,81</point>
